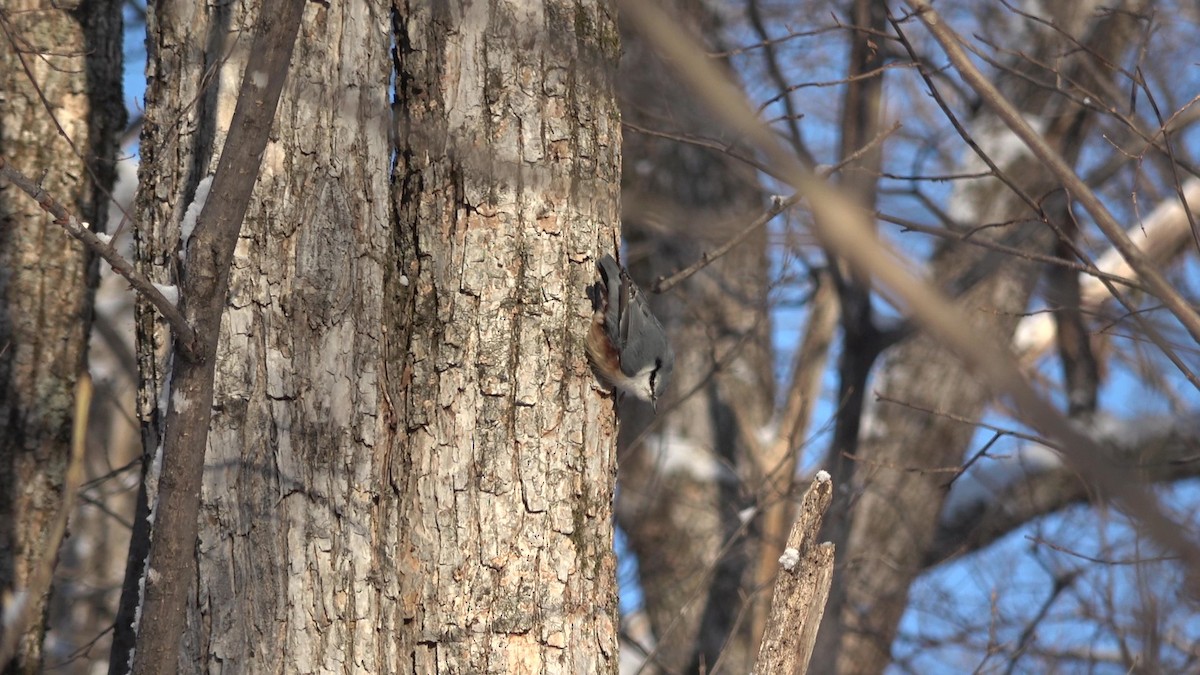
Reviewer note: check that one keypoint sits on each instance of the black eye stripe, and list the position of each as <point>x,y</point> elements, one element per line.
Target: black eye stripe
<point>654,373</point>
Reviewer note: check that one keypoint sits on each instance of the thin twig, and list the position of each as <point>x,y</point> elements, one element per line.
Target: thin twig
<point>1162,124</point>
<point>1082,268</point>
<point>706,143</point>
<point>1061,583</point>
<point>79,230</point>
<point>968,421</point>
<point>951,46</point>
<point>770,58</point>
<point>778,206</point>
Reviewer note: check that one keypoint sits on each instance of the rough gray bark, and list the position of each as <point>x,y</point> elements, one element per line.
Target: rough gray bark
<point>293,333</point>
<point>288,569</point>
<point>174,484</point>
<point>506,189</point>
<point>60,111</point>
<point>326,538</point>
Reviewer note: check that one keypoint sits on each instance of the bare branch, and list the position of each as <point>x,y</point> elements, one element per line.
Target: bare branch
<point>1061,583</point>
<point>771,59</point>
<point>1150,331</point>
<point>950,42</point>
<point>778,206</point>
<point>1160,237</point>
<point>1152,450</point>
<point>1088,270</point>
<point>844,228</point>
<point>105,249</point>
<point>806,572</point>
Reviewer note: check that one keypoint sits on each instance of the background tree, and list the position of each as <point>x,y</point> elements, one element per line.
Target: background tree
<point>1027,204</point>
<point>683,473</point>
<point>1005,220</point>
<point>60,111</point>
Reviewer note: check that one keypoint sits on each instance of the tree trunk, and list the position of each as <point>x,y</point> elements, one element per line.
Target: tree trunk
<point>60,113</point>
<point>408,467</point>
<point>290,486</point>
<point>506,186</point>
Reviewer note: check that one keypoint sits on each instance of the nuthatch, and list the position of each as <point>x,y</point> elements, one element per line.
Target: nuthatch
<point>626,345</point>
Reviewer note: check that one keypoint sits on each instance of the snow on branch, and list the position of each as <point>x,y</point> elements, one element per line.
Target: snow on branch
<point>1034,482</point>
<point>1080,192</point>
<point>1160,236</point>
<point>801,587</point>
<point>103,247</point>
